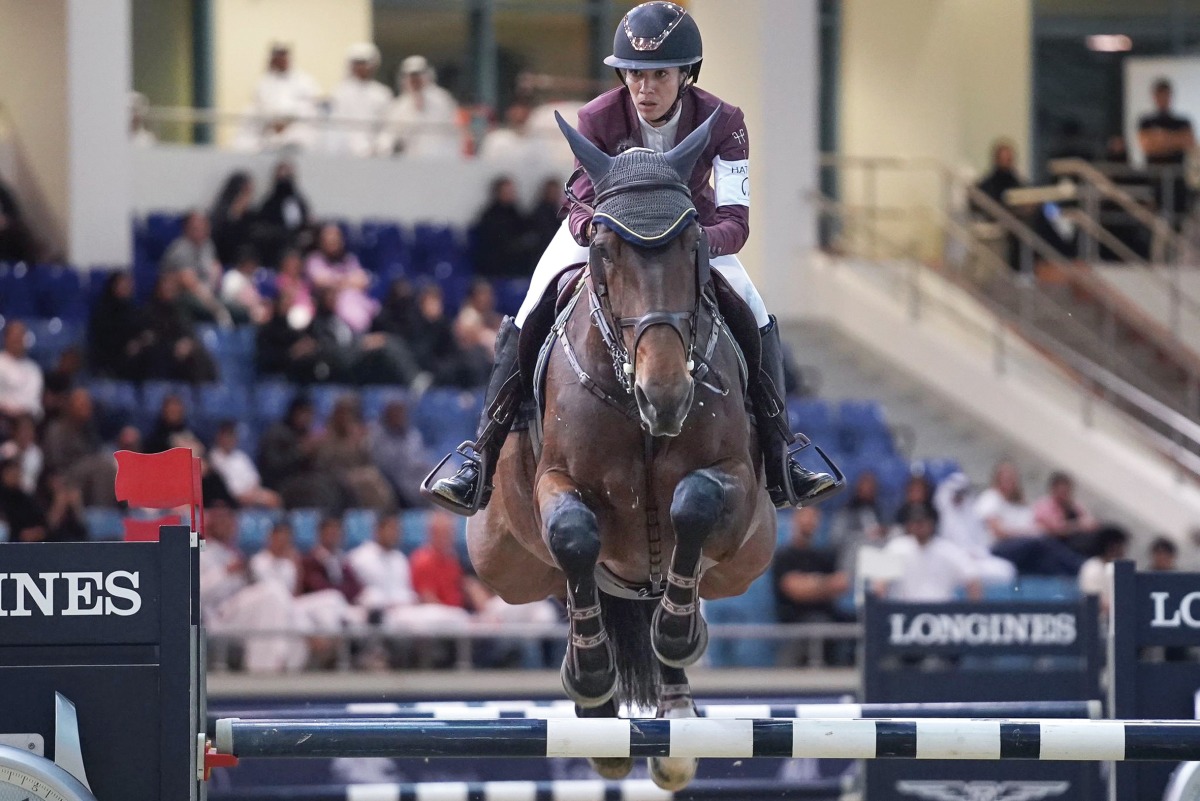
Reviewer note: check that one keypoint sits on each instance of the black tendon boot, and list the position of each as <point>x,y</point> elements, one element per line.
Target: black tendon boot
<point>790,483</point>
<point>469,490</point>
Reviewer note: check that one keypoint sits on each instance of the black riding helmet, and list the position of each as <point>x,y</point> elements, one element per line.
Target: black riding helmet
<point>658,34</point>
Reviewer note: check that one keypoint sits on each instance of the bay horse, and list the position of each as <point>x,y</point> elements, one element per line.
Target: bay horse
<point>644,410</point>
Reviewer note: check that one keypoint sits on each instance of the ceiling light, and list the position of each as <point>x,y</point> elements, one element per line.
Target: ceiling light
<point>1109,43</point>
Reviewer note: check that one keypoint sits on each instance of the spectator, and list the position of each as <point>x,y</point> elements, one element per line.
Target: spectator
<point>1165,137</point>
<point>20,377</point>
<point>234,219</point>
<point>345,452</point>
<point>917,490</point>
<point>230,602</point>
<point>24,450</point>
<point>1116,151</point>
<point>283,107</point>
<point>963,527</point>
<point>373,358</point>
<point>435,347</point>
<point>278,561</point>
<point>174,353</point>
<point>1003,175</point>
<point>807,581</point>
<point>1015,531</point>
<point>359,104</point>
<point>140,134</point>
<point>421,120</point>
<point>546,217</point>
<point>118,338</point>
<point>398,314</point>
<point>859,523</point>
<point>282,350</point>
<point>26,522</point>
<point>193,260</point>
<point>61,380</point>
<point>237,470</point>
<point>478,322</point>
<point>1061,516</point>
<point>292,284</point>
<point>16,241</point>
<point>512,144</point>
<point>437,573</point>
<point>325,566</point>
<point>504,244</point>
<point>1164,555</point>
<point>72,449</point>
<point>239,292</point>
<point>284,216</point>
<point>383,569</point>
<point>1093,576</point>
<point>286,458</point>
<point>171,429</point>
<point>62,502</point>
<point>331,266</point>
<point>931,569</point>
<point>399,453</point>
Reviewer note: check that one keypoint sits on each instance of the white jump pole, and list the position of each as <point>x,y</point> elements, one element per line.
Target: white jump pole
<point>919,738</point>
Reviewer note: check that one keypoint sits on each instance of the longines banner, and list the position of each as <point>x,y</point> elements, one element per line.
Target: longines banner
<point>966,628</point>
<point>79,594</point>
<point>1168,609</point>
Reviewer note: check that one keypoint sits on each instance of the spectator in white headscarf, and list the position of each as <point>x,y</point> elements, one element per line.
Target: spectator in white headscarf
<point>421,121</point>
<point>283,108</point>
<point>961,525</point>
<point>359,104</point>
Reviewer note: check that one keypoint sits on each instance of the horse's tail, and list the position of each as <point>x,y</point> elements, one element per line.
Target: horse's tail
<point>628,624</point>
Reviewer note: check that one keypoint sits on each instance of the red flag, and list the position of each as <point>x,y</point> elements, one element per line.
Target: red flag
<point>157,480</point>
<point>147,530</point>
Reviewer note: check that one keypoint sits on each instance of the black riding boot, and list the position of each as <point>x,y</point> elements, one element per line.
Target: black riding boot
<point>790,483</point>
<point>469,490</point>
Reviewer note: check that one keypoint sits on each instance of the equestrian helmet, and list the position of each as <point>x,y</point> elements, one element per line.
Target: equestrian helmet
<point>657,34</point>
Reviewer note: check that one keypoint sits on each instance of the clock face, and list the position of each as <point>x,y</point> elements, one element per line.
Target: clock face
<point>28,777</point>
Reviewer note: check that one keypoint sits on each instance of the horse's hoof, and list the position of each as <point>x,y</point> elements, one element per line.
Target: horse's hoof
<point>590,694</point>
<point>672,773</point>
<point>678,652</point>
<point>612,768</point>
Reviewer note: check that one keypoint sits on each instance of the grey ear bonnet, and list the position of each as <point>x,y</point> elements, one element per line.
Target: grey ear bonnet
<point>641,194</point>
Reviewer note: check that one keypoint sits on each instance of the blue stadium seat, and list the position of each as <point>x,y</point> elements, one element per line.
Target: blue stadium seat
<point>271,400</point>
<point>253,527</point>
<point>325,396</point>
<point>1046,588</point>
<point>59,292</point>
<point>160,231</point>
<point>222,401</point>
<point>383,248</point>
<point>809,414</point>
<point>510,293</point>
<point>17,298</point>
<point>358,526</point>
<point>304,527</point>
<point>446,417</point>
<point>47,339</point>
<point>103,523</point>
<point>756,606</point>
<point>413,524</point>
<point>114,395</point>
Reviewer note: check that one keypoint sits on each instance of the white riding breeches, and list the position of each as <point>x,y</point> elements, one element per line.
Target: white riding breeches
<point>563,251</point>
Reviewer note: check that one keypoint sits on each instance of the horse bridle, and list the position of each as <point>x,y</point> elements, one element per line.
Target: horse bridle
<point>611,327</point>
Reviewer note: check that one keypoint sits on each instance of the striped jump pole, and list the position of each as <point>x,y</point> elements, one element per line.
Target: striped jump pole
<point>567,790</point>
<point>919,738</point>
<point>490,710</point>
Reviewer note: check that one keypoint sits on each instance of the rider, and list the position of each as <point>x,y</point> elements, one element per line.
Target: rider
<point>657,55</point>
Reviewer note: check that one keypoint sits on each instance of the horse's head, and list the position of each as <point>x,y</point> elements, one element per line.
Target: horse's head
<point>648,263</point>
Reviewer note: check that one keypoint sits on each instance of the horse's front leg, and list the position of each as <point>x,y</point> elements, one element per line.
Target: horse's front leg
<point>700,510</point>
<point>589,671</point>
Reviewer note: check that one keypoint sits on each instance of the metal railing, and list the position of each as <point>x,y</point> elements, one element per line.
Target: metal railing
<point>346,639</point>
<point>1134,396</point>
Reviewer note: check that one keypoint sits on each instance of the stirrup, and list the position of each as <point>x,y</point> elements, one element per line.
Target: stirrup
<point>470,454</point>
<point>789,492</point>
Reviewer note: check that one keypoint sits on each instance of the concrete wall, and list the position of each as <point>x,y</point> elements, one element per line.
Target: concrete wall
<point>318,30</point>
<point>762,56</point>
<point>938,79</point>
<point>162,55</point>
<point>33,94</point>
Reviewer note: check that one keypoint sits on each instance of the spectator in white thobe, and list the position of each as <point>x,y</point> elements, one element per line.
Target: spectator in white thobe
<point>229,602</point>
<point>283,108</point>
<point>20,377</point>
<point>421,121</point>
<point>358,105</point>
<point>963,527</point>
<point>383,571</point>
<point>237,470</point>
<point>930,568</point>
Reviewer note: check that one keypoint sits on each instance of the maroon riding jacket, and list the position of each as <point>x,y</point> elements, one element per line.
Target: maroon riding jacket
<point>611,121</point>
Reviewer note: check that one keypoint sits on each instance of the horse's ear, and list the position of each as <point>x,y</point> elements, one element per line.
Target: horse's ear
<point>595,161</point>
<point>683,156</point>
